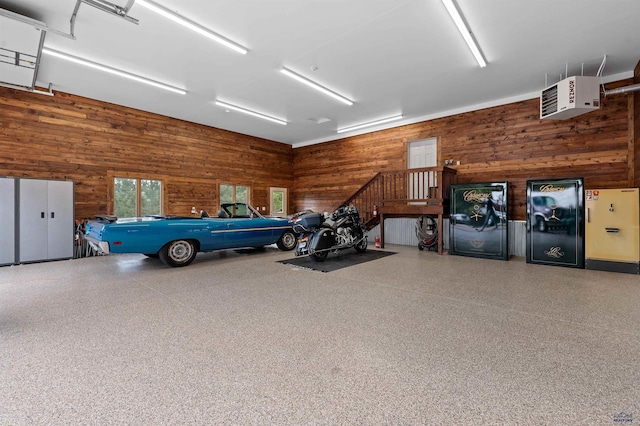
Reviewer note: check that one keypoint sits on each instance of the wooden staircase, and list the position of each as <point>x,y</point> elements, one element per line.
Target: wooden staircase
<point>405,193</point>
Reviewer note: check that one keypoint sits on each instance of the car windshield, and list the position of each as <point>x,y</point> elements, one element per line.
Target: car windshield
<point>545,201</point>
<point>240,210</point>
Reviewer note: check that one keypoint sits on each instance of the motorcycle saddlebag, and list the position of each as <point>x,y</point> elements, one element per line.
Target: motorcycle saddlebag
<point>325,239</point>
<point>307,222</point>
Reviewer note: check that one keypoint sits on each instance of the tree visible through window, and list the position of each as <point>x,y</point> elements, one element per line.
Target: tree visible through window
<point>137,197</point>
<point>125,197</point>
<point>278,201</point>
<point>278,206</point>
<point>234,193</point>
<point>150,197</point>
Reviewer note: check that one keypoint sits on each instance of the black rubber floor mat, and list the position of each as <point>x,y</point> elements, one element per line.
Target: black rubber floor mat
<point>336,261</point>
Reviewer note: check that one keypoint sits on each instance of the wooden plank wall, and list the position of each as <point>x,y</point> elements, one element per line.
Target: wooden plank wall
<point>90,142</point>
<point>635,116</point>
<point>504,143</point>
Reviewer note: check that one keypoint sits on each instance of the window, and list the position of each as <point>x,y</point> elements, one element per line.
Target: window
<point>278,205</point>
<point>137,197</point>
<point>234,193</point>
<point>422,153</point>
<point>277,202</point>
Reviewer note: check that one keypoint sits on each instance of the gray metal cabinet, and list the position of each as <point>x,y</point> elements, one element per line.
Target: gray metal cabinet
<point>46,223</point>
<point>7,221</point>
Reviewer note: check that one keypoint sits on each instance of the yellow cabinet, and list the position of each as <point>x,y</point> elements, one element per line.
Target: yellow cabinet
<point>612,230</point>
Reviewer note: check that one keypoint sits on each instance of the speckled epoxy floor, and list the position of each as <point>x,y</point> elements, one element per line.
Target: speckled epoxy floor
<point>412,338</point>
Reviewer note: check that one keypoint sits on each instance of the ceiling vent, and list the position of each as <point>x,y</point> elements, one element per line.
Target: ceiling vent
<point>21,41</point>
<point>570,97</point>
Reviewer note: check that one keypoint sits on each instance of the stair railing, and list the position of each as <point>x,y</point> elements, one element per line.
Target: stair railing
<point>399,190</point>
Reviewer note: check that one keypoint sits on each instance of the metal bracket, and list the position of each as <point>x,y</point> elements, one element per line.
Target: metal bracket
<point>28,89</point>
<point>105,6</point>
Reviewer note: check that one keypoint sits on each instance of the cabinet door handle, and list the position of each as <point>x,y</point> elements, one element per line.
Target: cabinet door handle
<point>41,215</point>
<point>612,229</point>
<point>53,215</point>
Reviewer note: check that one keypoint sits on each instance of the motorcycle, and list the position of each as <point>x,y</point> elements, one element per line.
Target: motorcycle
<point>320,234</point>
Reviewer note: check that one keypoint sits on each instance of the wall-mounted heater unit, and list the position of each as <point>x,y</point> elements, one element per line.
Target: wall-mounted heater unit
<point>570,97</point>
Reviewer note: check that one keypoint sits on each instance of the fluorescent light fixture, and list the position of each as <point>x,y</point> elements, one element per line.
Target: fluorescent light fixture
<point>193,26</point>
<point>115,71</point>
<point>371,123</point>
<point>315,85</point>
<point>464,31</point>
<point>250,112</point>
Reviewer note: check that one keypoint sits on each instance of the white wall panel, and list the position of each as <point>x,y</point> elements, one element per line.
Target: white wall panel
<point>402,231</point>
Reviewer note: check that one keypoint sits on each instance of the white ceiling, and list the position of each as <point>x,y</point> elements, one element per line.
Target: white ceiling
<point>389,56</point>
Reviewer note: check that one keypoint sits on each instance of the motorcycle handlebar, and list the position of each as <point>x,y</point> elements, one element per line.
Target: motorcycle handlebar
<point>343,211</point>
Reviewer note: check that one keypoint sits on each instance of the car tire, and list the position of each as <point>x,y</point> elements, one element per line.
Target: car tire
<point>320,257</point>
<point>287,241</point>
<point>541,225</point>
<point>361,247</point>
<point>178,253</point>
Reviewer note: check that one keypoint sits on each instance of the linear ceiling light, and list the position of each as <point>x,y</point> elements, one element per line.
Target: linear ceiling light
<point>315,85</point>
<point>371,123</point>
<point>160,10</point>
<point>111,70</point>
<point>250,112</point>
<point>464,31</point>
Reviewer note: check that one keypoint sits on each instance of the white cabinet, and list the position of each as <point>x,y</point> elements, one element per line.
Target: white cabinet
<point>7,221</point>
<point>45,217</point>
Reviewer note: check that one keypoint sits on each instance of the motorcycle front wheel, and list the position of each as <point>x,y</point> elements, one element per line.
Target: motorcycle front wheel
<point>319,257</point>
<point>361,246</point>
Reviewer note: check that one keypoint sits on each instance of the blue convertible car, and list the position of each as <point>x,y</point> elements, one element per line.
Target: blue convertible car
<point>176,239</point>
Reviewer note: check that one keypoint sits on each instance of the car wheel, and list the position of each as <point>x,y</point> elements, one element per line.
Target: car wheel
<point>361,246</point>
<point>320,257</point>
<point>152,255</point>
<point>178,253</point>
<point>541,225</point>
<point>287,241</point>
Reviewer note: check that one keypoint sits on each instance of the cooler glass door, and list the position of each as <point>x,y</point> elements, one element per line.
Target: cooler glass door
<point>555,224</point>
<point>478,221</point>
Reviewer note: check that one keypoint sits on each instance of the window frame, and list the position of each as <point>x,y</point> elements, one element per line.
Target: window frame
<point>111,205</point>
<point>235,186</point>
<point>285,201</point>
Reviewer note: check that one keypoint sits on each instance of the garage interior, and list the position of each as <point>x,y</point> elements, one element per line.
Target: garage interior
<point>413,338</point>
<point>416,337</point>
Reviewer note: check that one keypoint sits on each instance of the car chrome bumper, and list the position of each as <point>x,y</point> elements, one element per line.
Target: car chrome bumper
<point>101,247</point>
